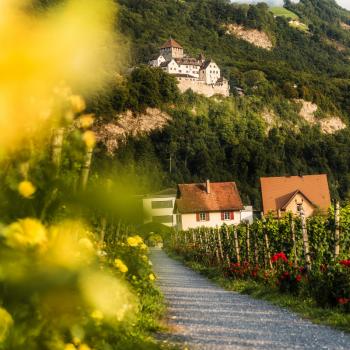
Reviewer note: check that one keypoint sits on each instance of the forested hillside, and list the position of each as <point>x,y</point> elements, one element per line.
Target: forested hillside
<point>292,119</point>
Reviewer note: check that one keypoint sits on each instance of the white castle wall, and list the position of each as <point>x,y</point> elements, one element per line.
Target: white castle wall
<point>200,87</point>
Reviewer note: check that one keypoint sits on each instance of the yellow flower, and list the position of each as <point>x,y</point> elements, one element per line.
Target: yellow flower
<point>69,346</point>
<point>89,138</point>
<point>86,120</point>
<point>77,102</point>
<point>84,347</point>
<point>144,258</point>
<point>6,323</point>
<point>134,241</point>
<point>151,277</point>
<point>143,246</point>
<point>76,341</point>
<point>120,265</point>
<point>97,315</point>
<point>26,189</point>
<point>25,233</point>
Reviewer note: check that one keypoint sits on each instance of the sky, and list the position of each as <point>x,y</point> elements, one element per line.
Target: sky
<point>343,3</point>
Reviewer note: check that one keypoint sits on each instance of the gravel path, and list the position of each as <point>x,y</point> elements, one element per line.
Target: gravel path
<point>205,316</point>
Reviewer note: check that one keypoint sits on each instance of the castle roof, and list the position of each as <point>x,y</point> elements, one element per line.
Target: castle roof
<point>171,43</point>
<point>206,63</point>
<point>188,60</point>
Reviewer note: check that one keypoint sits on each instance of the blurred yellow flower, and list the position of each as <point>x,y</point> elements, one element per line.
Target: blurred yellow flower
<point>77,102</point>
<point>25,233</point>
<point>97,315</point>
<point>86,120</point>
<point>144,258</point>
<point>69,346</point>
<point>6,323</point>
<point>151,277</point>
<point>76,341</point>
<point>86,245</point>
<point>120,265</point>
<point>143,246</point>
<point>106,293</point>
<point>134,241</point>
<point>89,138</point>
<point>26,189</point>
<point>84,347</point>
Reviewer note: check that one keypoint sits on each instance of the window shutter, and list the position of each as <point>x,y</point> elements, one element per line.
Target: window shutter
<point>197,216</point>
<point>222,215</point>
<point>207,216</point>
<point>232,215</point>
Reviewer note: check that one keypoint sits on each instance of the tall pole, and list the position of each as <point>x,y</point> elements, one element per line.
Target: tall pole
<point>305,240</point>
<point>337,230</point>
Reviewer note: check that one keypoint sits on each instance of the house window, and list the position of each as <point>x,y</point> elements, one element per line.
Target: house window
<point>202,216</point>
<point>163,219</point>
<point>227,215</point>
<point>162,204</point>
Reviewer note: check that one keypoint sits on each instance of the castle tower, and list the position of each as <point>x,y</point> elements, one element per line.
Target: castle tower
<point>171,49</point>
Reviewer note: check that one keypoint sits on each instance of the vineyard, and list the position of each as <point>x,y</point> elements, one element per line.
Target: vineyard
<point>294,254</point>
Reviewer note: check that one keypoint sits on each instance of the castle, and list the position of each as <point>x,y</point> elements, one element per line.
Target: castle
<point>198,74</point>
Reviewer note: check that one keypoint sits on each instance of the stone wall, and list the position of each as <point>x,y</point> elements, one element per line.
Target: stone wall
<point>200,87</point>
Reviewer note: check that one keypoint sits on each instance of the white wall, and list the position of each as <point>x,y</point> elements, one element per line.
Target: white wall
<point>247,214</point>
<point>149,212</point>
<point>190,220</point>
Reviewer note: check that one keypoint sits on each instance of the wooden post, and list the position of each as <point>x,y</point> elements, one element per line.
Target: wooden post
<point>215,246</point>
<point>86,168</point>
<point>103,228</point>
<point>337,230</point>
<point>228,252</point>
<point>248,242</point>
<point>235,235</point>
<point>220,244</point>
<point>305,240</point>
<point>294,249</point>
<point>267,246</point>
<point>56,147</point>
<point>256,249</point>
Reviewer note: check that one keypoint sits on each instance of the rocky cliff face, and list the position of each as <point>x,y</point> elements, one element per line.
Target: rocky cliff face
<point>252,36</point>
<point>115,133</point>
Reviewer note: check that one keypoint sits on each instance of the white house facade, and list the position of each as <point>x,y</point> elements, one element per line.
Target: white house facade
<point>201,75</point>
<point>207,205</point>
<point>159,207</point>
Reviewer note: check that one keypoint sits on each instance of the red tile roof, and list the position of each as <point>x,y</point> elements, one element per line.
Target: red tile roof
<point>277,191</point>
<point>193,198</point>
<point>171,43</point>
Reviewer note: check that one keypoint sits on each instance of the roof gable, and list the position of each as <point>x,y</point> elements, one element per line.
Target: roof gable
<point>194,198</point>
<point>291,196</point>
<point>171,43</point>
<point>277,192</point>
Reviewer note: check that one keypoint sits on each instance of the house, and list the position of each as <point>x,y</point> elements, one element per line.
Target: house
<point>201,75</point>
<point>207,204</point>
<point>293,193</point>
<point>159,207</point>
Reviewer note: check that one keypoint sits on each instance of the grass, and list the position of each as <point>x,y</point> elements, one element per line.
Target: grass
<point>305,307</point>
<point>283,12</point>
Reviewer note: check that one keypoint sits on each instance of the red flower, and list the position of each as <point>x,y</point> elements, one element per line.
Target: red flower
<point>343,301</point>
<point>298,278</point>
<point>345,262</point>
<point>279,256</point>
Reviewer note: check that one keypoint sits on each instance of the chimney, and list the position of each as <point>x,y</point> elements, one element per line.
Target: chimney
<point>208,186</point>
